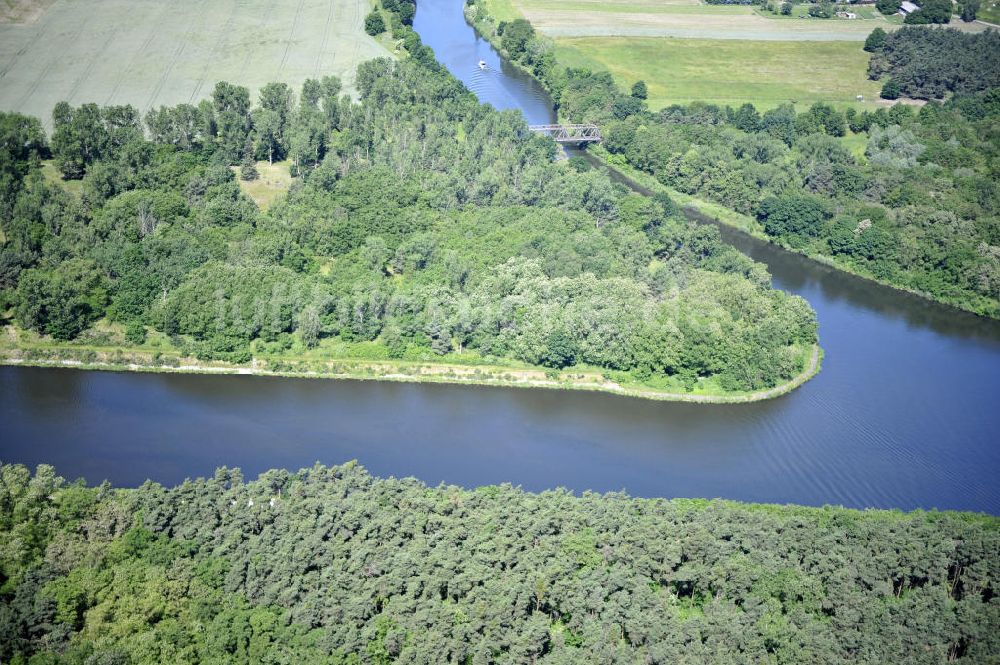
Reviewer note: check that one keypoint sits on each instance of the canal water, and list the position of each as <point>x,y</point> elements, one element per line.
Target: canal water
<point>904,414</point>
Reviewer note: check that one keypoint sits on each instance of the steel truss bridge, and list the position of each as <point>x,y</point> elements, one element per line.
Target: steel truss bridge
<point>588,133</point>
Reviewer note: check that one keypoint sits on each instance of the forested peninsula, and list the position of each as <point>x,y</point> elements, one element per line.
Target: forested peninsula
<point>420,228</point>
<point>904,195</point>
<point>331,565</point>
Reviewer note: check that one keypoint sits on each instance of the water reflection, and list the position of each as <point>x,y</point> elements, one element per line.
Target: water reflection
<point>799,274</point>
<point>827,442</point>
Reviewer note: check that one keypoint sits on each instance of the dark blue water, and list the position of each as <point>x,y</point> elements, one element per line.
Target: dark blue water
<point>905,413</point>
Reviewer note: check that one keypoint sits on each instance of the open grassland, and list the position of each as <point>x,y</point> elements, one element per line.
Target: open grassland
<point>725,54</point>
<point>689,19</point>
<point>728,71</point>
<point>54,177</point>
<point>501,10</point>
<point>156,52</point>
<point>273,181</point>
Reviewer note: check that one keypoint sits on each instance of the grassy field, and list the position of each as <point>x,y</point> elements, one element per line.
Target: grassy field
<point>274,180</point>
<point>158,52</point>
<point>729,71</point>
<point>726,54</point>
<point>501,10</point>
<point>54,177</point>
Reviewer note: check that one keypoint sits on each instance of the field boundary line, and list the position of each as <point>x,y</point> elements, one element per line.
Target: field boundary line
<point>291,35</point>
<point>178,52</point>
<point>357,40</point>
<point>166,73</point>
<point>90,66</point>
<point>326,39</point>
<point>153,31</point>
<point>43,27</point>
<point>210,60</point>
<point>265,21</point>
<point>50,63</point>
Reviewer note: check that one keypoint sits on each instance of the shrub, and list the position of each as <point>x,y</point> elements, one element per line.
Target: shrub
<point>890,90</point>
<point>876,40</point>
<point>135,332</point>
<point>374,23</point>
<point>248,168</point>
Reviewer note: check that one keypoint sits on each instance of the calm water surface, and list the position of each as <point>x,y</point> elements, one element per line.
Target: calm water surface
<point>441,25</point>
<point>904,414</point>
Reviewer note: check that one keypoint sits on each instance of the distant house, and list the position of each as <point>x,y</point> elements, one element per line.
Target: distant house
<point>907,7</point>
<point>847,15</point>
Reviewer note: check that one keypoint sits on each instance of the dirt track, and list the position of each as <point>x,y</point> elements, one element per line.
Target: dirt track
<point>691,20</point>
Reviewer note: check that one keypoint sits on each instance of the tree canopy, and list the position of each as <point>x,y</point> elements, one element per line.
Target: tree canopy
<point>331,565</point>
<point>931,11</point>
<point>420,223</point>
<point>930,64</point>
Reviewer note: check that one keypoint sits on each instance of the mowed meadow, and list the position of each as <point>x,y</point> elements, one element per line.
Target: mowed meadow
<point>154,52</point>
<point>766,73</point>
<point>725,54</point>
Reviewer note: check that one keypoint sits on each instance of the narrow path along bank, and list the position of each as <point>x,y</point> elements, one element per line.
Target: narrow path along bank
<point>367,370</point>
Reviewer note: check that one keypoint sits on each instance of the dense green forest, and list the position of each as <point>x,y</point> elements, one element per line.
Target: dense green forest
<point>330,565</point>
<point>918,207</point>
<point>419,221</point>
<point>931,64</point>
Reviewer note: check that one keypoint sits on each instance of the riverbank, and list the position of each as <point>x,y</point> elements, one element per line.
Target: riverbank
<point>74,356</point>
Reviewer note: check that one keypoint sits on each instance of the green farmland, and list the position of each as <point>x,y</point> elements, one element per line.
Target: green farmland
<point>725,71</point>
<point>157,52</point>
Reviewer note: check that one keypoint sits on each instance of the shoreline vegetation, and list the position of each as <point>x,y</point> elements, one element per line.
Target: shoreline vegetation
<point>117,359</point>
<point>714,212</point>
<point>487,26</point>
